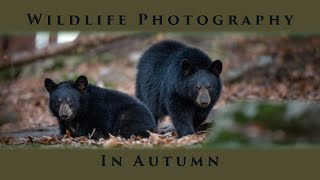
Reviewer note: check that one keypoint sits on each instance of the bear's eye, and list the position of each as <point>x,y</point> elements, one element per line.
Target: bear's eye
<point>197,88</point>
<point>69,101</point>
<point>58,102</point>
<point>209,87</point>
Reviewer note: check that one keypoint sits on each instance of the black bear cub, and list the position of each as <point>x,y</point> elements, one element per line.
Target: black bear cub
<point>84,109</point>
<point>180,81</point>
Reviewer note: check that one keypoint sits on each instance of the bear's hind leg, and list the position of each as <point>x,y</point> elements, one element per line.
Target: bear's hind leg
<point>135,121</point>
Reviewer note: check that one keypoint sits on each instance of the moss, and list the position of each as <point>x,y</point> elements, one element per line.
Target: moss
<point>226,136</point>
<point>10,73</point>
<point>57,64</point>
<point>104,58</point>
<point>109,85</point>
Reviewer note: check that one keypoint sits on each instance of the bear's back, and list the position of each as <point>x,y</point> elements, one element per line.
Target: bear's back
<point>108,97</point>
<point>172,52</point>
<point>159,54</point>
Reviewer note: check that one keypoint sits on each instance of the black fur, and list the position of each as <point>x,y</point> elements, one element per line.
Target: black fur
<point>168,80</point>
<point>107,111</point>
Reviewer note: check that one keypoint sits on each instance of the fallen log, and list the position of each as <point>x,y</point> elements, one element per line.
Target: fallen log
<point>23,58</point>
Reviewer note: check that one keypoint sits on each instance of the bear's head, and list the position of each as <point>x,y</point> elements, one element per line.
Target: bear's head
<point>66,98</point>
<point>202,84</point>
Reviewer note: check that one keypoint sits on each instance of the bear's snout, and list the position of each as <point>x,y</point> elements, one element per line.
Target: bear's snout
<point>203,98</point>
<point>65,112</point>
<point>204,103</point>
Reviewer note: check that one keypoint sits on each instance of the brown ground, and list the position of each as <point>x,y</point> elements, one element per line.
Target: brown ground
<point>293,74</point>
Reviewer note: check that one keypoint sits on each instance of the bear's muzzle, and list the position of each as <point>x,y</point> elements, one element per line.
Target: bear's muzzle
<point>65,112</point>
<point>203,98</point>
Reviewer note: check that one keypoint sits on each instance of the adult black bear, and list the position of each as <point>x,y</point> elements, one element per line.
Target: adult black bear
<point>82,109</point>
<point>180,81</point>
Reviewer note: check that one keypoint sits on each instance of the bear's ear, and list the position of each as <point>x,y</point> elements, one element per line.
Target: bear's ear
<point>50,85</point>
<point>81,83</point>
<point>216,67</point>
<point>186,67</point>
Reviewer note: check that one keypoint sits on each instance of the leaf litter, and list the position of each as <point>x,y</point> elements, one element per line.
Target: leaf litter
<point>154,140</point>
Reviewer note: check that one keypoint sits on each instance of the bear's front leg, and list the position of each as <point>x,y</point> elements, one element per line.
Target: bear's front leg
<point>62,128</point>
<point>200,116</point>
<point>182,119</point>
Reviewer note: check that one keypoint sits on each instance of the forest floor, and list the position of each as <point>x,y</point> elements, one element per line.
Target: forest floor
<point>256,67</point>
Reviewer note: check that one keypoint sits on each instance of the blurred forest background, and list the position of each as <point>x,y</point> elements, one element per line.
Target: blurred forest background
<point>270,97</point>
